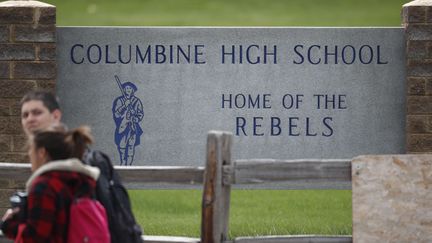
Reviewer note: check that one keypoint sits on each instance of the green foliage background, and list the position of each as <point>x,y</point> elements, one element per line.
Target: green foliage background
<point>228,12</point>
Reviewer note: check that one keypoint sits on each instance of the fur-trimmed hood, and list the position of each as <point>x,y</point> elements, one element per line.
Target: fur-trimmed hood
<point>73,165</point>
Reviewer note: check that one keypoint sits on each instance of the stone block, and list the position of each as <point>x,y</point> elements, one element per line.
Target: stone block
<point>419,68</point>
<point>11,183</point>
<point>429,15</point>
<point>17,52</point>
<point>46,84</point>
<point>419,32</point>
<point>15,88</point>
<point>16,15</point>
<point>416,86</point>
<point>429,50</point>
<point>417,49</point>
<point>19,143</point>
<point>429,86</point>
<point>34,70</point>
<point>421,143</point>
<point>16,107</point>
<point>5,108</point>
<point>414,14</point>
<point>47,15</point>
<point>10,107</point>
<point>5,143</point>
<point>10,125</point>
<point>17,157</point>
<point>419,124</point>
<point>391,197</point>
<point>4,70</point>
<point>4,33</point>
<point>31,33</point>
<point>419,104</point>
<point>47,52</point>
<point>5,193</point>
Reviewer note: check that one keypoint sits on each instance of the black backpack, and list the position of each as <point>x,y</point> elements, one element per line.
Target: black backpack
<point>114,197</point>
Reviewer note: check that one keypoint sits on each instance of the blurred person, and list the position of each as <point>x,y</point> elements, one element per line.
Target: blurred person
<point>57,177</point>
<point>39,110</point>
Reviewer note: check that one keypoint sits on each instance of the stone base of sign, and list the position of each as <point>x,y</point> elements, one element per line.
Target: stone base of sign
<point>417,20</point>
<point>27,62</point>
<point>392,197</point>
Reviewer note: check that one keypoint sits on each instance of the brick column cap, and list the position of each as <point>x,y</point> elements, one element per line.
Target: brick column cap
<point>26,3</point>
<point>418,3</point>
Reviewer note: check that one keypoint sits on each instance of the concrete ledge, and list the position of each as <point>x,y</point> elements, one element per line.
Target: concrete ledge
<point>418,3</point>
<point>26,4</point>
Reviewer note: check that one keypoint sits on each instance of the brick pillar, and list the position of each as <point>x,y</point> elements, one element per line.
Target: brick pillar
<point>27,62</point>
<point>417,20</point>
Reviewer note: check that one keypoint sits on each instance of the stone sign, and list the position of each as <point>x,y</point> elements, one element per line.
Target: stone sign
<point>151,94</point>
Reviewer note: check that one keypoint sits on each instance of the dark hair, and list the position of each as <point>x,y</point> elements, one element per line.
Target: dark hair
<point>62,144</point>
<point>49,100</point>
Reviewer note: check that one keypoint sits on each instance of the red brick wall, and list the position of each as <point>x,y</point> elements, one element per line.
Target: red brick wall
<point>417,20</point>
<point>27,62</point>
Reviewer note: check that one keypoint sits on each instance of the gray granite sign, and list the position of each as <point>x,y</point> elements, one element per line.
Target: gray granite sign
<point>151,94</point>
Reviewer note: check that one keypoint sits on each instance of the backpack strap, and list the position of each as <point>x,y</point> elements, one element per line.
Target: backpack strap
<point>100,160</point>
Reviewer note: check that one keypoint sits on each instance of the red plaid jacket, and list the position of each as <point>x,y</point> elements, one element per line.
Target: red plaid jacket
<point>50,195</point>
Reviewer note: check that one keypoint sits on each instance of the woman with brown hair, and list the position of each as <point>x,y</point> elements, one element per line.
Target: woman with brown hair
<point>58,177</point>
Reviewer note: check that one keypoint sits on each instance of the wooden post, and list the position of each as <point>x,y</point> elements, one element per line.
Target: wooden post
<point>216,195</point>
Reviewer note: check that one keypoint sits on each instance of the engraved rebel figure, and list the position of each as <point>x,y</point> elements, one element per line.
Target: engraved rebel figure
<point>128,112</point>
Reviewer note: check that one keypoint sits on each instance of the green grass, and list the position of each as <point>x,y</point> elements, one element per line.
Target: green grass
<point>229,12</point>
<point>252,212</point>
